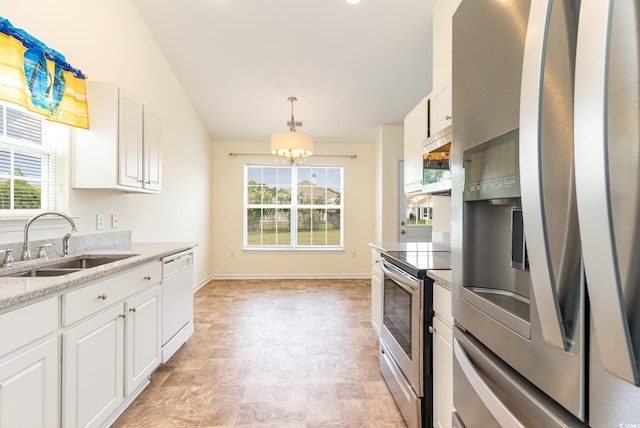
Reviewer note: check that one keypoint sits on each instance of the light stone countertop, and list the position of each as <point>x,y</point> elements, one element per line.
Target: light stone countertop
<point>17,290</point>
<point>441,277</point>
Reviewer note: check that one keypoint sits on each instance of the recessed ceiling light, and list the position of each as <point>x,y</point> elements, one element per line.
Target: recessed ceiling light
<point>353,1</point>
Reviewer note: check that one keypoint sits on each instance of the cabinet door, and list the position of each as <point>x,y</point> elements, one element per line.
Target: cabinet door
<point>415,134</point>
<point>442,374</point>
<point>29,387</point>
<point>151,147</point>
<point>143,337</point>
<point>93,369</point>
<point>440,113</point>
<point>130,134</point>
<point>376,297</point>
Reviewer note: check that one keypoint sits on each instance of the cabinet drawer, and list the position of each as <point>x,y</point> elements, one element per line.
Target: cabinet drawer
<point>375,257</point>
<point>28,323</point>
<point>442,302</point>
<point>87,300</point>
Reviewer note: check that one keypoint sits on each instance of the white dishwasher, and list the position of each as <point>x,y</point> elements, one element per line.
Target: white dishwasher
<point>177,302</point>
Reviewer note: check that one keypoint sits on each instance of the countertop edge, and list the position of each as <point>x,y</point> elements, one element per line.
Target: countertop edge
<point>442,277</point>
<point>15,291</point>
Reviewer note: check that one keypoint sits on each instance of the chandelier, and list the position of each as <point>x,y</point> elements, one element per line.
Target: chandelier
<point>292,145</point>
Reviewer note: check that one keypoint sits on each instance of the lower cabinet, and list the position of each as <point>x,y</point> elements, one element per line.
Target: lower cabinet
<point>93,369</point>
<point>376,291</point>
<point>29,387</point>
<point>442,357</point>
<point>143,336</point>
<point>107,357</point>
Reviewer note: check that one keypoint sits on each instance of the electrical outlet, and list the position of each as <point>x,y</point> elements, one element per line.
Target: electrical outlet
<point>114,221</point>
<point>99,221</point>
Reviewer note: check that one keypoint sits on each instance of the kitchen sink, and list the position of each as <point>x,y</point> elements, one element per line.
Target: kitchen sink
<point>45,272</point>
<point>86,262</point>
<point>66,266</point>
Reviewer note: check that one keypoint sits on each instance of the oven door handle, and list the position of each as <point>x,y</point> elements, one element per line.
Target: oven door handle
<point>407,284</point>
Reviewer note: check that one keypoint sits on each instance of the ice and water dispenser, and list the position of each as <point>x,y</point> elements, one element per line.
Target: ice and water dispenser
<point>496,277</point>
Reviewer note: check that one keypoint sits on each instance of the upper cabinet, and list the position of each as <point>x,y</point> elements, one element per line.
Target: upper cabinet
<point>442,46</point>
<point>121,150</point>
<point>416,130</point>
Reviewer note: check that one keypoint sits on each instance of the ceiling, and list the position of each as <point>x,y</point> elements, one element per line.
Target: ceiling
<point>352,67</point>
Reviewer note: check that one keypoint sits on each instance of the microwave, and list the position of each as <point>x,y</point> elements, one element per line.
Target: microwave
<point>435,168</point>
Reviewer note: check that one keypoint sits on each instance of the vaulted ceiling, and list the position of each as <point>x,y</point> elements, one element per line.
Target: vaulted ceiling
<point>352,67</point>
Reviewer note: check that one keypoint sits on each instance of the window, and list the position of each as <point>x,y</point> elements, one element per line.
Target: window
<point>293,207</point>
<point>28,147</point>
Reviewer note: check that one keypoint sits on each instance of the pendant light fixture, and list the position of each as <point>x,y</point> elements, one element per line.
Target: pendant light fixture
<point>292,145</point>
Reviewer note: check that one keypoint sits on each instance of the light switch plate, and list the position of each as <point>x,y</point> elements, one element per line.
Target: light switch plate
<point>114,221</point>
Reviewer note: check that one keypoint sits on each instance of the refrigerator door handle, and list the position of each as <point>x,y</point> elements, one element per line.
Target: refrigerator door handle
<point>496,407</point>
<point>592,186</point>
<point>542,278</point>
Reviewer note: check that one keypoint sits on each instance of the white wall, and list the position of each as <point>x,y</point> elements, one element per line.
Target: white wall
<point>229,260</point>
<point>389,149</point>
<point>108,40</point>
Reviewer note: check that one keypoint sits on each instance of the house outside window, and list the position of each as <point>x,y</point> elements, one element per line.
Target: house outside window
<point>29,159</point>
<point>295,207</point>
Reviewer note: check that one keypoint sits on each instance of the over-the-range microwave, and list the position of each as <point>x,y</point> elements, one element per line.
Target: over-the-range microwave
<point>436,173</point>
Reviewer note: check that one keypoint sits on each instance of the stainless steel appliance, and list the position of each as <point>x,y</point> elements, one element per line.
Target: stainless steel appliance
<point>177,302</point>
<point>528,349</point>
<point>607,152</point>
<point>405,339</point>
<point>518,289</point>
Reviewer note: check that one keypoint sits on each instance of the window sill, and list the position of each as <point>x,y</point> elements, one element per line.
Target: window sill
<point>294,250</point>
<point>17,224</point>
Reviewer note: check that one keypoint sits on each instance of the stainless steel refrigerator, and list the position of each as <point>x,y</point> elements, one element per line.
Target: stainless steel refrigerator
<point>544,222</point>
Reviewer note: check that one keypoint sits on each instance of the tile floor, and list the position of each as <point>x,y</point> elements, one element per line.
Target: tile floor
<point>275,353</point>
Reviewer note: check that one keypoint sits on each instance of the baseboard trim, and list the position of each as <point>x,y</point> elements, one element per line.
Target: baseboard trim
<point>293,276</point>
<point>202,283</point>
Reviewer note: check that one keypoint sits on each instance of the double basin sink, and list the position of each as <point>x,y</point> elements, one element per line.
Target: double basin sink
<point>70,265</point>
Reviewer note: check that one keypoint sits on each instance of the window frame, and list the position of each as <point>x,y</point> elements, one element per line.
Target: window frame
<point>294,206</point>
<point>55,145</point>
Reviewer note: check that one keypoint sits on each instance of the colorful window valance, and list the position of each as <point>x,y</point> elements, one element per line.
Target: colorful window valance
<point>39,78</point>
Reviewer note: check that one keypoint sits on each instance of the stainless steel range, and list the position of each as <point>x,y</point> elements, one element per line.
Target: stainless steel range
<point>405,340</point>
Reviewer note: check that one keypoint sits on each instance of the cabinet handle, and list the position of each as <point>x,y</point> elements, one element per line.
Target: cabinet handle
<point>432,329</point>
<point>133,309</point>
<point>102,296</point>
<point>148,277</point>
<point>447,117</point>
<point>122,315</point>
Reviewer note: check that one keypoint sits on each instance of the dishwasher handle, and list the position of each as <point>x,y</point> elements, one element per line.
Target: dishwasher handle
<point>176,263</point>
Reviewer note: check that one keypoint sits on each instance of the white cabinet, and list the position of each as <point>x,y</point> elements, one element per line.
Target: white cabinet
<point>29,366</point>
<point>152,168</point>
<point>121,149</point>
<point>441,116</point>
<point>415,135</point>
<point>93,369</point>
<point>143,336</point>
<point>440,113</point>
<point>376,291</point>
<point>130,134</point>
<point>113,345</point>
<point>442,357</point>
<point>29,387</point>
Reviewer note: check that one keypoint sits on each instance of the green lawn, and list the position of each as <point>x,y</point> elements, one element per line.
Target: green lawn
<point>304,237</point>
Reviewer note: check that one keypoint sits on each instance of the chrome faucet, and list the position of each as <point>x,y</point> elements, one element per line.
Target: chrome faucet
<point>26,254</point>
